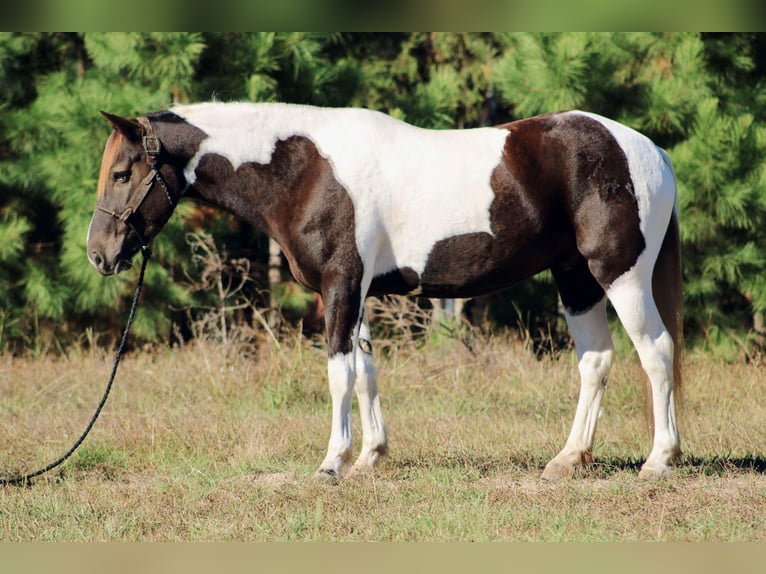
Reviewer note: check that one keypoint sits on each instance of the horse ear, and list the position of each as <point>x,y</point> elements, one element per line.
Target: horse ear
<point>129,128</point>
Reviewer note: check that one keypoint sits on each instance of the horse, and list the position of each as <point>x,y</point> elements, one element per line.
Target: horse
<point>363,204</point>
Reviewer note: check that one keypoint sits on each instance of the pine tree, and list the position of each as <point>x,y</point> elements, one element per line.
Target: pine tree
<point>28,231</point>
<point>700,96</point>
<point>55,146</point>
<point>722,170</point>
<point>695,95</point>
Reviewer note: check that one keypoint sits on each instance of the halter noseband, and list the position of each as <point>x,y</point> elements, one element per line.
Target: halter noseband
<point>152,148</point>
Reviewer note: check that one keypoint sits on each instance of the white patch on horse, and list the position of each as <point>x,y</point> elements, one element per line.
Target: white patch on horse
<point>410,187</point>
<point>341,373</point>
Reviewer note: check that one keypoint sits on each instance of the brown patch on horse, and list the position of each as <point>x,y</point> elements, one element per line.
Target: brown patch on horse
<point>111,151</point>
<point>296,199</point>
<point>580,174</point>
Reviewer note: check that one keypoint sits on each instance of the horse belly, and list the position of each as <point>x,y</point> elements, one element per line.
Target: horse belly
<point>466,265</point>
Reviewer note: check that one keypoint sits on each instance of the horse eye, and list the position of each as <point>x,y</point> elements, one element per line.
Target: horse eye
<point>121,176</point>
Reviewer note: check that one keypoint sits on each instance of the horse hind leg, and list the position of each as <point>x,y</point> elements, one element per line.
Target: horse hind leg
<point>595,353</point>
<point>632,298</point>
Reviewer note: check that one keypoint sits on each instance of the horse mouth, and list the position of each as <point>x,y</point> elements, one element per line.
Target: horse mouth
<point>105,268</point>
<point>122,265</point>
<point>125,260</point>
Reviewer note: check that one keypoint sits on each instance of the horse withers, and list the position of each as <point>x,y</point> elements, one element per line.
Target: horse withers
<point>364,204</point>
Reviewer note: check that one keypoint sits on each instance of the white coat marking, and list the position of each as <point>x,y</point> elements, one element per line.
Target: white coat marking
<point>410,187</point>
<point>341,373</point>
<point>595,353</point>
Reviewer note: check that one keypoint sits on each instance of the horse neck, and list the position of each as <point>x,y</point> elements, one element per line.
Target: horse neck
<point>267,195</point>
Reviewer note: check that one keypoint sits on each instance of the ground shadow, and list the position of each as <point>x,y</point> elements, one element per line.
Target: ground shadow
<point>484,466</point>
<point>725,464</point>
<point>691,465</point>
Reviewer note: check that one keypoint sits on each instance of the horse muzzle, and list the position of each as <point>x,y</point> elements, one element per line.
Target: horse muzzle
<point>106,267</point>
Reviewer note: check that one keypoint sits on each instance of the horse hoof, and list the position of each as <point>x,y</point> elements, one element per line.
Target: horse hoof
<point>555,472</point>
<point>567,465</point>
<point>327,476</point>
<point>359,470</point>
<point>653,472</point>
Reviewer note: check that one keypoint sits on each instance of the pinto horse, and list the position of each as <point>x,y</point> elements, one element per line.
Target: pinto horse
<point>364,204</point>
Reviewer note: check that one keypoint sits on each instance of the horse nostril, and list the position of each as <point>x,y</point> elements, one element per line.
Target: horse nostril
<point>96,259</point>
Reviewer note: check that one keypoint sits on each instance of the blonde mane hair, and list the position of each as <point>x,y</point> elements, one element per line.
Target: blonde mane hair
<point>111,149</point>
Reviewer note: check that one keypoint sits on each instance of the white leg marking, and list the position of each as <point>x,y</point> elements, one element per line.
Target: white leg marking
<point>374,443</point>
<point>340,370</point>
<point>633,301</point>
<point>595,352</point>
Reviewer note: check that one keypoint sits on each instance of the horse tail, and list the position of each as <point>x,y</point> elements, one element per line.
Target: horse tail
<point>667,291</point>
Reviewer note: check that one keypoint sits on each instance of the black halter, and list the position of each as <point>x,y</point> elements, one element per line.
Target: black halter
<point>152,148</point>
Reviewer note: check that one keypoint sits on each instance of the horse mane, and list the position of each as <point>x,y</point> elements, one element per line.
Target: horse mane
<point>111,150</point>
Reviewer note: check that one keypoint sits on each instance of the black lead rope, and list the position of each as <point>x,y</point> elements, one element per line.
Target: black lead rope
<point>24,478</point>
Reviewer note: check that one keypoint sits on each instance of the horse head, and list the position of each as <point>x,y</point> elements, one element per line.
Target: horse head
<point>138,189</point>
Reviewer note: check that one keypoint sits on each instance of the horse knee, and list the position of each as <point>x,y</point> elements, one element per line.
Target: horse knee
<point>594,366</point>
<point>341,373</point>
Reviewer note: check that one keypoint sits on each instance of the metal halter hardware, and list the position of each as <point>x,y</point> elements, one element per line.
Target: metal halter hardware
<point>152,148</point>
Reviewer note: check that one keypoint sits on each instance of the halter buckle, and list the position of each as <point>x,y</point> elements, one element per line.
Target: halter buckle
<point>152,145</point>
<point>125,215</point>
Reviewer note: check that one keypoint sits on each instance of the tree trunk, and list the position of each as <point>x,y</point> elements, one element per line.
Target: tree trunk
<point>275,278</point>
<point>759,326</point>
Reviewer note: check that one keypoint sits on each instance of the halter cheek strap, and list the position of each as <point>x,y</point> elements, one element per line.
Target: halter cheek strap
<point>152,148</point>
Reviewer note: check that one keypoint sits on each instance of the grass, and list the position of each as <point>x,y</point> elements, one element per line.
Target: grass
<point>210,442</point>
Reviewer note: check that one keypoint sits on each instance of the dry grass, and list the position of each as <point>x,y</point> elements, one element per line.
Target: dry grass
<point>214,443</point>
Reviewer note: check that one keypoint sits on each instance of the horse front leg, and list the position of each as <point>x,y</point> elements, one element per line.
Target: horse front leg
<point>342,318</point>
<point>341,375</point>
<point>634,303</point>
<point>374,442</point>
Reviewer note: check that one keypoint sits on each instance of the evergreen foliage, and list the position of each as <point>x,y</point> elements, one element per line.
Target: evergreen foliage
<point>700,96</point>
